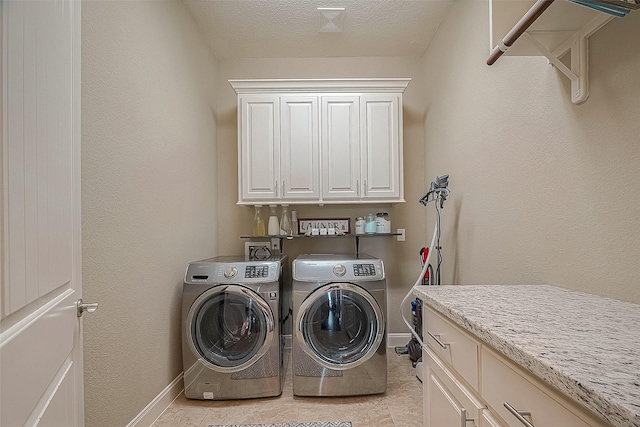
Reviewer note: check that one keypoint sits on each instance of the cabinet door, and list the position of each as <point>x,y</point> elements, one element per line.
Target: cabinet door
<point>442,408</point>
<point>380,119</point>
<point>299,148</point>
<point>340,147</point>
<point>259,159</point>
<point>446,400</point>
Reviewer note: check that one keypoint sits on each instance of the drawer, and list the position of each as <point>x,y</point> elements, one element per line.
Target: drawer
<point>448,402</point>
<point>504,384</point>
<point>452,345</point>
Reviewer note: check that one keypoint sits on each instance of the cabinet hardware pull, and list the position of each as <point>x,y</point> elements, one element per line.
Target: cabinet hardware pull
<point>437,339</point>
<point>519,414</point>
<point>358,187</point>
<point>463,418</point>
<point>277,194</point>
<point>365,187</point>
<point>283,192</point>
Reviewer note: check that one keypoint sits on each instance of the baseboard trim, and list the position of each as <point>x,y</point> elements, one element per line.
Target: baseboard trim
<point>159,404</point>
<point>398,339</point>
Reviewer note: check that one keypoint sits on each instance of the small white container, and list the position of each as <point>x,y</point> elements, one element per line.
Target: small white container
<point>359,225</point>
<point>383,224</point>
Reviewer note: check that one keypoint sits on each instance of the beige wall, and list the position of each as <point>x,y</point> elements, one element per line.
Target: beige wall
<point>543,191</point>
<point>148,194</point>
<point>410,215</point>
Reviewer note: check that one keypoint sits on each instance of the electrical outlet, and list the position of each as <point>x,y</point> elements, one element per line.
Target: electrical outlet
<point>401,237</point>
<point>275,244</point>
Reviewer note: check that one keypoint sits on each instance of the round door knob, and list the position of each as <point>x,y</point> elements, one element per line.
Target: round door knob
<point>230,272</point>
<point>339,270</point>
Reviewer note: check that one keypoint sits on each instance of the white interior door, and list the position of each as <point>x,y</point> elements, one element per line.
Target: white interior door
<point>41,381</point>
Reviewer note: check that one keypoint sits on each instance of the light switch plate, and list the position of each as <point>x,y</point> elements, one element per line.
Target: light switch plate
<point>401,237</point>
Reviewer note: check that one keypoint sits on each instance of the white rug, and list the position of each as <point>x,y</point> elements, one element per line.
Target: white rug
<point>325,424</point>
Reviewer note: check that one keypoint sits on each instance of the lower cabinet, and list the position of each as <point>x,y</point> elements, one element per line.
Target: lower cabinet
<point>516,398</point>
<point>447,400</point>
<point>468,384</point>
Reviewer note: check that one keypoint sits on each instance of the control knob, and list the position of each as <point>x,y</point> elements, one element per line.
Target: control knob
<point>339,270</point>
<point>230,272</point>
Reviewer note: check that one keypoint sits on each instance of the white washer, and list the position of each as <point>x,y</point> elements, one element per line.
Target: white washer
<point>339,312</point>
<point>231,343</point>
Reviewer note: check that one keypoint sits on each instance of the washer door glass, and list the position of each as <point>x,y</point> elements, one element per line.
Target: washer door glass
<point>230,327</point>
<point>340,325</point>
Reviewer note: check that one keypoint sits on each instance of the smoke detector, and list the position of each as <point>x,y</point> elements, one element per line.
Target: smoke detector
<point>331,19</point>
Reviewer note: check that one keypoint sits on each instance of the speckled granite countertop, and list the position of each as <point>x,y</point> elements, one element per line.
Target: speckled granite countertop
<point>586,346</point>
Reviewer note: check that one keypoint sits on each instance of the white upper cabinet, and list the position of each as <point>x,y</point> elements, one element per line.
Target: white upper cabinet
<point>341,177</point>
<point>320,141</point>
<point>299,148</point>
<point>279,148</point>
<point>259,133</point>
<point>361,148</point>
<point>381,147</point>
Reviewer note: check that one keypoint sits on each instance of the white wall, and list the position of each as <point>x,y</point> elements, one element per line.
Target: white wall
<point>543,191</point>
<point>149,183</point>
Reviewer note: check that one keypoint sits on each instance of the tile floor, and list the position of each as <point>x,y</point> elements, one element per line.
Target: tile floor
<point>400,406</point>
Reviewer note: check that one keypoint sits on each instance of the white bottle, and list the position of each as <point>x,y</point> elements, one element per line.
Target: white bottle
<point>294,223</point>
<point>274,224</point>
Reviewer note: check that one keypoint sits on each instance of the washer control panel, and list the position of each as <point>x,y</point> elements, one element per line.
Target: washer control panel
<point>233,270</point>
<point>256,271</point>
<point>318,267</point>
<point>247,272</point>
<point>364,270</point>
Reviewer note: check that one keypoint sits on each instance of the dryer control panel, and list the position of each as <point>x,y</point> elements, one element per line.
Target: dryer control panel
<point>322,267</point>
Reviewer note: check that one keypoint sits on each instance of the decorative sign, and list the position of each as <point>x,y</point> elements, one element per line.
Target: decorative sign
<point>308,225</point>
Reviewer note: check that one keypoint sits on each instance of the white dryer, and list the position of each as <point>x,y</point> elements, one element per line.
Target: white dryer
<point>339,312</point>
<point>231,343</point>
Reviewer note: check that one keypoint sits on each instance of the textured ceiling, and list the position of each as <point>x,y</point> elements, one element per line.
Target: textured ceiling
<point>290,28</point>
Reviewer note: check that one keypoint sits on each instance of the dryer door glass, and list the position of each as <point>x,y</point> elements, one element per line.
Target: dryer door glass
<point>230,327</point>
<point>341,325</point>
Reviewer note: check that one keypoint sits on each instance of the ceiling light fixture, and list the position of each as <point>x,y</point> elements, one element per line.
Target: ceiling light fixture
<point>331,19</point>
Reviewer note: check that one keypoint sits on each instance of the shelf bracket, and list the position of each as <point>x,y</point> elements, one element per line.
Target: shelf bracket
<point>578,47</point>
